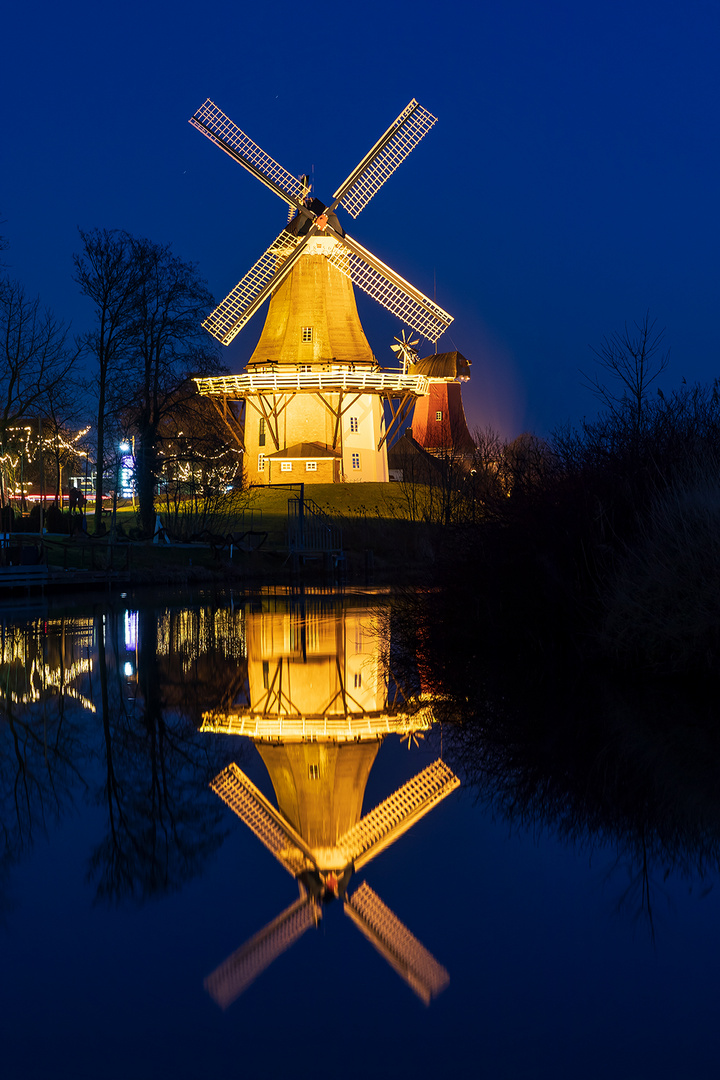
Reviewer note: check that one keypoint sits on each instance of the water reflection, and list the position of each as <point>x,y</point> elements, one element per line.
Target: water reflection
<point>103,708</point>
<point>44,703</point>
<point>318,701</point>
<point>628,766</point>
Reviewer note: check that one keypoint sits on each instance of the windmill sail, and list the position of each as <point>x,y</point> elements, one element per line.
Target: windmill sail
<point>387,154</point>
<point>250,293</point>
<point>396,814</point>
<point>391,290</point>
<point>251,806</point>
<point>216,126</point>
<point>233,977</point>
<point>393,940</point>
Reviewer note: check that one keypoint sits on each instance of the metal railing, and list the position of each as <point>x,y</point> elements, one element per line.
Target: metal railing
<point>310,529</point>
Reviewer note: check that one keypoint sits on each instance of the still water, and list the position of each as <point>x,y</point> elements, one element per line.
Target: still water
<point>235,841</point>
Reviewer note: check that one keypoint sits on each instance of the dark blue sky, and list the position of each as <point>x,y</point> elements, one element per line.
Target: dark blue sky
<point>570,185</point>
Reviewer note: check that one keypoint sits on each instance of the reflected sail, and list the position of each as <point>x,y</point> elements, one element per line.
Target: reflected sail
<point>233,977</point>
<point>398,813</point>
<point>393,940</point>
<point>241,795</point>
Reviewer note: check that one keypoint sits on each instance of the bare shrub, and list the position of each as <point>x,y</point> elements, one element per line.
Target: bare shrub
<point>206,508</point>
<point>662,601</point>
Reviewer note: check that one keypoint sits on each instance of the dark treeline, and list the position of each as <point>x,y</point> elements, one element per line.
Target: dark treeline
<point>597,545</point>
<point>572,631</point>
<point>616,764</point>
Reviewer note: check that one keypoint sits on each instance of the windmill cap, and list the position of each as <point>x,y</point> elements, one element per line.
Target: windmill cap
<point>447,365</point>
<point>300,225</point>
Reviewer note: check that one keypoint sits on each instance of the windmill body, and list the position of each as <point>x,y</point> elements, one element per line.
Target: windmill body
<point>313,333</point>
<point>312,404</point>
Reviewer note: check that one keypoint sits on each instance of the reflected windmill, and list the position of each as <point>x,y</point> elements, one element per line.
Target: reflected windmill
<point>319,764</point>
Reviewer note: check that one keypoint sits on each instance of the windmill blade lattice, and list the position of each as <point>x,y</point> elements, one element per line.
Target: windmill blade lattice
<point>239,306</point>
<point>390,290</point>
<point>393,940</point>
<point>216,126</point>
<point>380,163</point>
<point>251,806</point>
<point>235,974</point>
<point>396,814</point>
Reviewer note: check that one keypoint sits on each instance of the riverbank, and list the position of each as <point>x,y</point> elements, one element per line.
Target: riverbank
<point>377,542</point>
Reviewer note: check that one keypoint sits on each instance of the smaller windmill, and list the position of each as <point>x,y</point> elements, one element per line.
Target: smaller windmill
<point>405,350</point>
<point>439,424</point>
<point>324,874</point>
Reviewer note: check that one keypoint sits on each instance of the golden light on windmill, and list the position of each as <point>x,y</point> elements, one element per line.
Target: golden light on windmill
<point>313,395</point>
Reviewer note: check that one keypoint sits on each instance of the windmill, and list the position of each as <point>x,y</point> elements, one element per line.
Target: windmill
<point>312,393</point>
<point>438,422</point>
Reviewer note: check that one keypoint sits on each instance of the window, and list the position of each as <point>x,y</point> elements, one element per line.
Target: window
<point>353,423</point>
<point>313,772</point>
<point>311,466</point>
<point>305,368</point>
<point>307,333</point>
<point>438,415</point>
<point>358,680</point>
<point>261,463</point>
<point>261,432</point>
<point>286,466</point>
<point>266,674</point>
<point>356,461</point>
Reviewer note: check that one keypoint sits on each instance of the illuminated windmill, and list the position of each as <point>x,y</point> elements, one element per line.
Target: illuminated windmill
<point>311,399</point>
<point>319,738</point>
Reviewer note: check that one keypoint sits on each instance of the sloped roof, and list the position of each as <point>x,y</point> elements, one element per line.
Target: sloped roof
<point>314,450</point>
<point>405,449</point>
<point>445,365</point>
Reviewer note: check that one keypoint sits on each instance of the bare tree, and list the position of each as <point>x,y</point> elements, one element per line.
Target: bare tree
<point>634,358</point>
<point>147,341</point>
<point>36,359</point>
<point>108,273</point>
<point>169,343</point>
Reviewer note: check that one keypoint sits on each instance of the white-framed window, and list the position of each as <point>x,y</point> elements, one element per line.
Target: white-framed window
<point>307,333</point>
<point>358,680</point>
<point>311,466</point>
<point>438,415</point>
<point>305,368</point>
<point>261,463</point>
<point>356,461</point>
<point>286,466</point>
<point>313,772</point>
<point>353,423</point>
